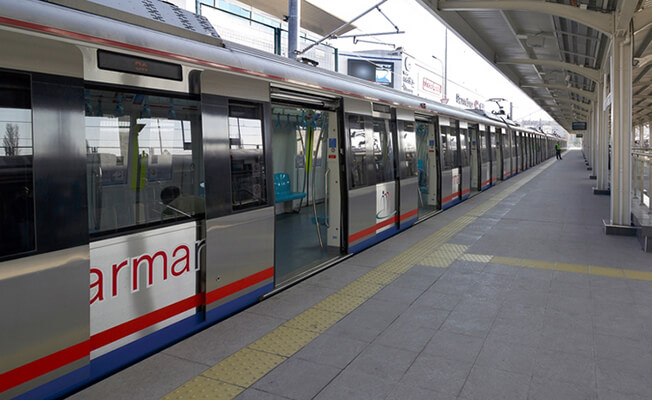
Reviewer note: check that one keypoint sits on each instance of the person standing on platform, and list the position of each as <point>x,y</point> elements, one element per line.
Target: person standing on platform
<point>558,149</point>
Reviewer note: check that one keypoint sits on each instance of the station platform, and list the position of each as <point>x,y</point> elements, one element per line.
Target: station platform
<point>516,293</point>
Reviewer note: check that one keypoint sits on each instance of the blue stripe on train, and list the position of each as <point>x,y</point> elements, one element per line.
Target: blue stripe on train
<point>379,237</point>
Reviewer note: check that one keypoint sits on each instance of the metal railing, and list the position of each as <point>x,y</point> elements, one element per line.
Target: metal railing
<point>642,185</point>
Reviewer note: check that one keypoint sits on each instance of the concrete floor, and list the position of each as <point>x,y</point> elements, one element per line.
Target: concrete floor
<point>551,308</point>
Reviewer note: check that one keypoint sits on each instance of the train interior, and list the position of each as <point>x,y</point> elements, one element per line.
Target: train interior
<point>305,231</point>
<point>428,168</point>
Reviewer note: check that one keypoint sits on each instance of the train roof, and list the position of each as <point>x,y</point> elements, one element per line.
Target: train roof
<point>105,32</point>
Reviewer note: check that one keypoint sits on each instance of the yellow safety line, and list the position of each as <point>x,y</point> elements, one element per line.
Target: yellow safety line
<point>231,376</point>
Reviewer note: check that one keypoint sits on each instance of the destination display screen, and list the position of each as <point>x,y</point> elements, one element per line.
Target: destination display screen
<point>138,65</point>
<point>579,126</point>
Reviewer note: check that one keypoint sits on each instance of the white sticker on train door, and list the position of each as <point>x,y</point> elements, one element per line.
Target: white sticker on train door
<point>140,283</point>
<point>456,181</point>
<point>385,205</point>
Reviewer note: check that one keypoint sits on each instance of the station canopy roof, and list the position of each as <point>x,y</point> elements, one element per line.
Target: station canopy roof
<point>313,18</point>
<point>554,49</point>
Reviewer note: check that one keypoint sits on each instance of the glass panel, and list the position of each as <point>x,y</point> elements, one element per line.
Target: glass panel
<point>247,156</point>
<point>383,151</point>
<point>464,149</point>
<point>408,141</point>
<point>493,146</point>
<point>16,182</point>
<point>484,149</point>
<point>452,148</point>
<point>358,155</point>
<point>144,159</point>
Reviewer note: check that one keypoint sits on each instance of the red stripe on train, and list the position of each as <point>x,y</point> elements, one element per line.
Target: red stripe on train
<point>409,214</point>
<point>451,197</point>
<point>27,372</point>
<point>373,229</point>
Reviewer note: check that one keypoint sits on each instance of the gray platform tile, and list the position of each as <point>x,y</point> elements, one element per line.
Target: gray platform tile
<point>368,320</point>
<point>540,286</point>
<point>305,293</point>
<point>466,239</point>
<point>355,386</point>
<point>523,310</point>
<point>560,288</point>
<point>564,339</point>
<point>437,374</point>
<point>440,300</point>
<point>373,257</point>
<point>336,351</point>
<point>607,282</point>
<point>496,280</point>
<point>501,269</point>
<point>466,267</point>
<point>452,283</point>
<point>546,389</point>
<point>151,378</point>
<point>622,327</point>
<point>613,294</point>
<point>406,392</point>
<point>292,302</point>
<point>384,362</point>
<point>572,278</point>
<point>225,338</point>
<point>254,394</point>
<point>493,384</point>
<point>518,331</point>
<point>530,274</point>
<point>338,276</point>
<point>576,307</point>
<point>487,293</point>
<point>507,356</point>
<point>638,353</point>
<point>297,379</point>
<point>471,305</point>
<point>566,367</point>
<point>403,335</point>
<point>418,277</point>
<point>422,316</point>
<point>622,377</point>
<point>399,294</point>
<point>454,346</point>
<point>468,323</point>
<point>606,394</point>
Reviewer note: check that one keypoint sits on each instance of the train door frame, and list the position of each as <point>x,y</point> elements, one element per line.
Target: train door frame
<point>464,146</point>
<point>334,205</point>
<point>449,199</point>
<point>433,164</point>
<point>408,186</point>
<point>476,157</point>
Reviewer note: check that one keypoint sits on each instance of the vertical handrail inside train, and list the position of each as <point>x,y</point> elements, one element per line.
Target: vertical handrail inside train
<point>326,197</point>
<point>311,131</point>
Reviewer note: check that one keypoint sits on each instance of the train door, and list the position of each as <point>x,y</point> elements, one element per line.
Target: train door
<point>428,167</point>
<point>451,181</point>
<point>494,148</point>
<point>307,193</point>
<point>465,159</point>
<point>372,187</point>
<point>408,195</point>
<point>514,152</point>
<point>506,153</point>
<point>475,161</point>
<point>484,147</point>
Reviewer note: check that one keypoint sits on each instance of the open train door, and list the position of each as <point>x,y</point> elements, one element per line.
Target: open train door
<point>306,166</point>
<point>428,166</point>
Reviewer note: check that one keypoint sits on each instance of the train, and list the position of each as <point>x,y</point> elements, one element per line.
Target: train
<point>156,179</point>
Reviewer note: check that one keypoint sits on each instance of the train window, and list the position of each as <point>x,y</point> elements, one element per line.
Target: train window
<point>464,149</point>
<point>408,153</point>
<point>144,162</point>
<point>358,154</point>
<point>484,149</point>
<point>16,182</point>
<point>383,151</point>
<point>449,147</point>
<point>247,156</point>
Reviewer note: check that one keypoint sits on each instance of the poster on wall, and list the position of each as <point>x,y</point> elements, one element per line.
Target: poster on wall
<point>385,205</point>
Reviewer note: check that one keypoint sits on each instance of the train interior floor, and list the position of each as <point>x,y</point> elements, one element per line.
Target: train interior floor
<point>516,293</point>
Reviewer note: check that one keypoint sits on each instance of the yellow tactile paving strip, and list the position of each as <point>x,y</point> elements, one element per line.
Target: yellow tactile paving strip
<point>239,371</point>
<point>558,266</point>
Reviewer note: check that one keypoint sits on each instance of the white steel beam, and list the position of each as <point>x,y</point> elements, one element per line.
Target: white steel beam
<point>603,22</point>
<point>601,170</point>
<point>592,74</point>
<point>581,92</point>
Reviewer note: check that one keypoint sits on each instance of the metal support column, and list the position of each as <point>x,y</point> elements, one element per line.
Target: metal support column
<point>602,166</point>
<point>593,132</point>
<point>294,27</point>
<point>621,125</point>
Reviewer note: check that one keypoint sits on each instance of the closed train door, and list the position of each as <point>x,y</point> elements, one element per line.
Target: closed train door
<point>372,185</point>
<point>506,152</point>
<point>451,180</point>
<point>476,163</point>
<point>407,168</point>
<point>485,160</point>
<point>494,149</point>
<point>428,167</point>
<point>305,147</point>
<point>465,159</point>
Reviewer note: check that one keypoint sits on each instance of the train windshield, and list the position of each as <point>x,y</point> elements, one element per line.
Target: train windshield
<point>143,157</point>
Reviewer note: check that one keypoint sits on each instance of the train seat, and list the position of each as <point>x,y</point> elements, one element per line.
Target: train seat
<point>282,191</point>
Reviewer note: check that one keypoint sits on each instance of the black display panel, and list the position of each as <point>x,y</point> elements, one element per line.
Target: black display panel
<point>579,126</point>
<point>138,65</point>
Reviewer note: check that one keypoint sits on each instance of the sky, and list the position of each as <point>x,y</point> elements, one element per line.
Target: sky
<point>423,39</point>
